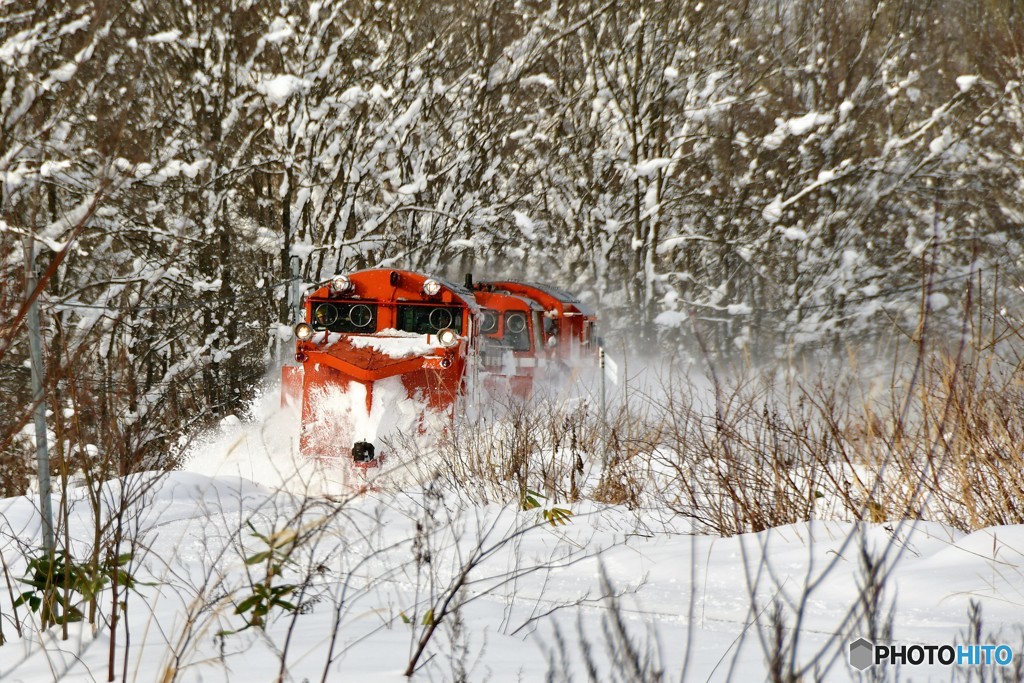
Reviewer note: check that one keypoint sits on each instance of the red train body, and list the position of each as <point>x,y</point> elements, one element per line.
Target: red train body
<point>377,337</point>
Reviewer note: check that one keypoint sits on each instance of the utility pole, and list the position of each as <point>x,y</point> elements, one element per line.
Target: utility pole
<point>294,311</point>
<point>604,409</point>
<point>39,399</point>
<point>296,297</point>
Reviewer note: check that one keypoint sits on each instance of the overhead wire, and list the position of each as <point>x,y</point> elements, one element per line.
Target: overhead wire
<point>243,295</point>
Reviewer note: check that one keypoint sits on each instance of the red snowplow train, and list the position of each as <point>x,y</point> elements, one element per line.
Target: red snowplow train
<point>399,348</point>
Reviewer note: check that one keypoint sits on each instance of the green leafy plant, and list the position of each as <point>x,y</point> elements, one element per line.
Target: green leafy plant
<point>59,585</point>
<point>428,618</point>
<point>266,596</point>
<point>532,500</point>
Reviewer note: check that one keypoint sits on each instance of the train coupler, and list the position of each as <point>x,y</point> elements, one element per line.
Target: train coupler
<point>364,455</point>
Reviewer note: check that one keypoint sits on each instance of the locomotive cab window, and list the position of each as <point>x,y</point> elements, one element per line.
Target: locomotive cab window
<point>429,319</point>
<point>345,318</point>
<point>488,321</point>
<point>517,332</point>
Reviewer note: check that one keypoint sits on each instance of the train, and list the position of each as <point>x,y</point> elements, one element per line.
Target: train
<point>381,350</point>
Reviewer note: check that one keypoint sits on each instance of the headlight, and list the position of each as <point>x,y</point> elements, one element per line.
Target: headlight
<point>303,331</point>
<point>340,284</point>
<point>448,337</point>
<point>431,287</point>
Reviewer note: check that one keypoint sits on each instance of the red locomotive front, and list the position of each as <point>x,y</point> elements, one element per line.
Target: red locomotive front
<point>384,351</point>
<point>370,341</point>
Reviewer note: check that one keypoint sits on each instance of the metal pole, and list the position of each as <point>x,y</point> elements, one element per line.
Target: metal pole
<point>296,297</point>
<point>604,411</point>
<point>294,310</point>
<point>39,398</point>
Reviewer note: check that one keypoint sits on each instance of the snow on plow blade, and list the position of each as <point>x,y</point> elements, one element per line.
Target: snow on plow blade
<point>380,351</point>
<point>358,394</point>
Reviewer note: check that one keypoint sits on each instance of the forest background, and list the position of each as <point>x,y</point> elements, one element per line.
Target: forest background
<point>766,179</point>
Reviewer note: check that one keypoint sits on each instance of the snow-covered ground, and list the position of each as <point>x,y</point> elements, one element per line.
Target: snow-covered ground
<point>513,597</point>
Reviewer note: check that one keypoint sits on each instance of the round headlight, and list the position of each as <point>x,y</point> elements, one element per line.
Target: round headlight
<point>448,337</point>
<point>303,331</point>
<point>431,287</point>
<point>340,284</point>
